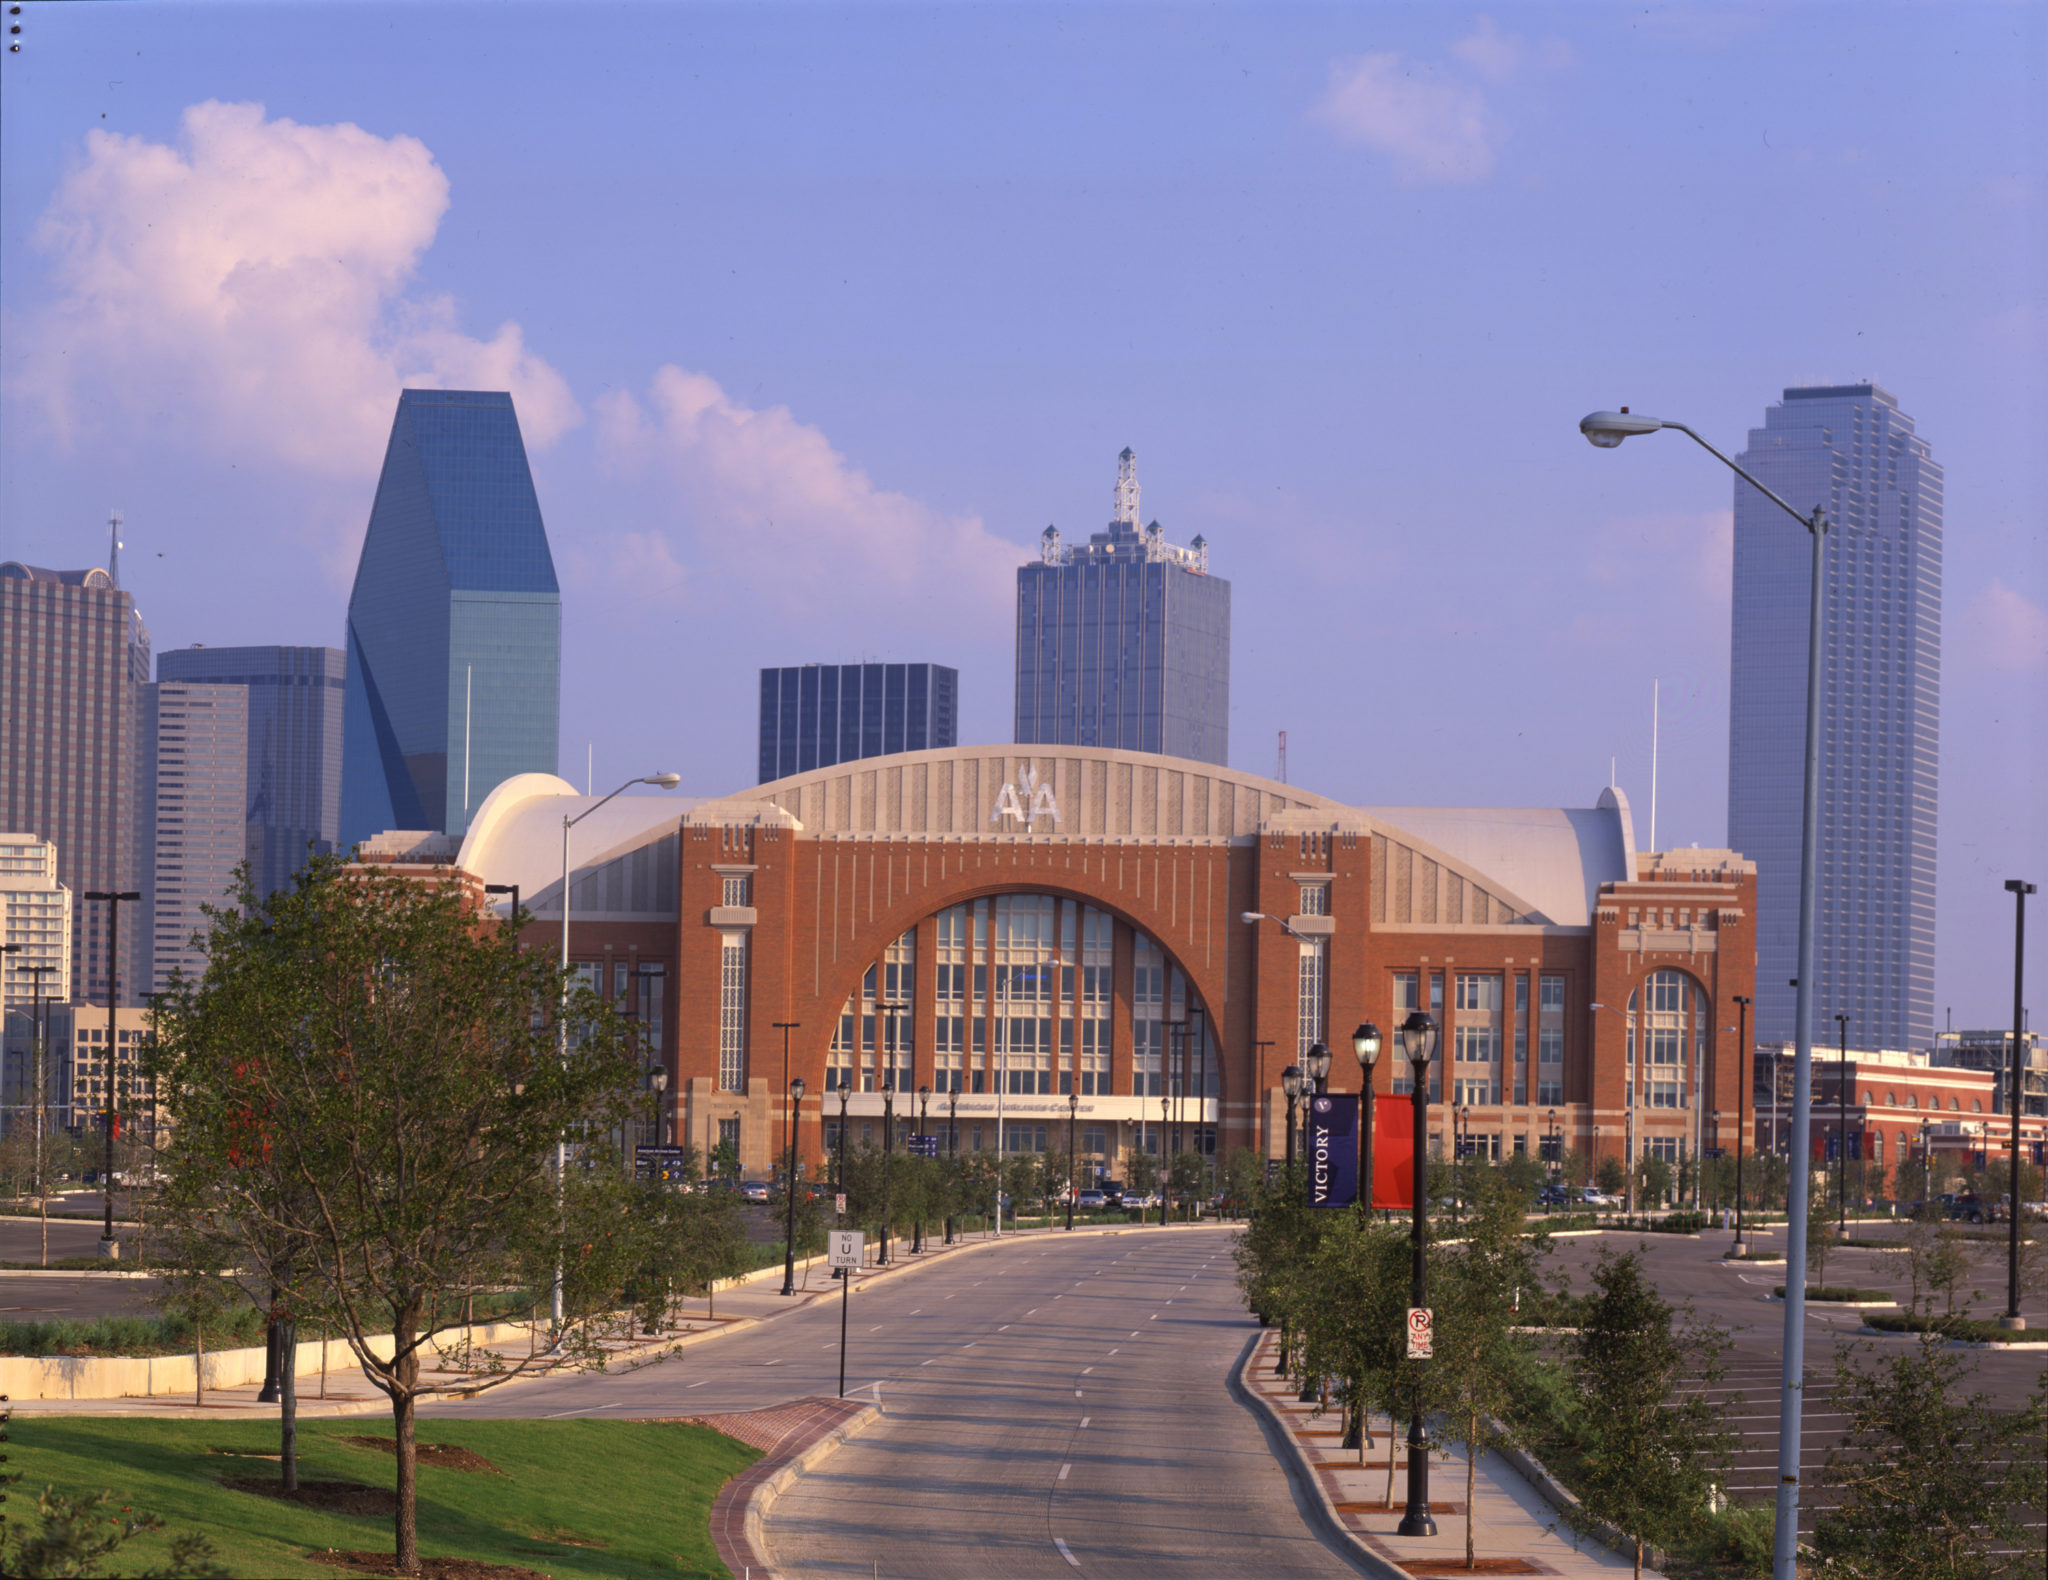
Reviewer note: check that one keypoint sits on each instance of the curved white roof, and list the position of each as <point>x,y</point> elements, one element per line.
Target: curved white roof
<point>516,835</point>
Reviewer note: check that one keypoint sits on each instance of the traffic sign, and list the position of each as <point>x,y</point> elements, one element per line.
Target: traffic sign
<point>839,1204</point>
<point>843,1247</point>
<point>923,1146</point>
<point>664,1164</point>
<point>1421,1333</point>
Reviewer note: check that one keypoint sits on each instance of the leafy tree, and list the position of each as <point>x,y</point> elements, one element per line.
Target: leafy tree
<point>1141,1171</point>
<point>1653,1181</point>
<point>192,1253</point>
<point>1524,1175</point>
<point>1612,1177</point>
<point>1244,1171</point>
<point>1188,1178</point>
<point>1351,1310</point>
<point>365,1099</point>
<point>1577,1169</point>
<point>1653,1439</point>
<point>725,1160</point>
<point>75,1535</point>
<point>1933,1485</point>
<point>1820,1236</point>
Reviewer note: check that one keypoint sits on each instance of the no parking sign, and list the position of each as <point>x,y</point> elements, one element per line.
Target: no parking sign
<point>1421,1333</point>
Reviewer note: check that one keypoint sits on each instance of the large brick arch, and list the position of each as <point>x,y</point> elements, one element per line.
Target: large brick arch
<point>1188,912</point>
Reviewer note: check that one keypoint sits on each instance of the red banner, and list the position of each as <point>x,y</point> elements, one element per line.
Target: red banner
<point>1393,1151</point>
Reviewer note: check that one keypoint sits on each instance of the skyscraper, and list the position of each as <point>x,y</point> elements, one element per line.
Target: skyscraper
<point>294,768</point>
<point>816,715</point>
<point>193,813</point>
<point>455,623</point>
<point>73,655</point>
<point>1848,448</point>
<point>1124,641</point>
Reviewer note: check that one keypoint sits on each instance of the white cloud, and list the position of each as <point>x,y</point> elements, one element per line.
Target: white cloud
<point>2003,631</point>
<point>1430,128</point>
<point>774,511</point>
<point>1493,54</point>
<point>245,288</point>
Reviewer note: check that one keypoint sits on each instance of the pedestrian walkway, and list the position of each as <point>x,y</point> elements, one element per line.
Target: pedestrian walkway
<point>1516,1531</point>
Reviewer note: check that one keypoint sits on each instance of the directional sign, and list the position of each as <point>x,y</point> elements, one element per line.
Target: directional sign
<point>1421,1333</point>
<point>659,1163</point>
<point>923,1146</point>
<point>843,1247</point>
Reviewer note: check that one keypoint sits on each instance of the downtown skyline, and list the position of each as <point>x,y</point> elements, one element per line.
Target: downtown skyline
<point>1327,365</point>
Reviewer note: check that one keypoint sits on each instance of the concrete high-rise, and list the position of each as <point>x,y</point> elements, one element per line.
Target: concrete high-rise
<point>1124,641</point>
<point>74,655</point>
<point>816,715</point>
<point>1848,448</point>
<point>192,807</point>
<point>454,626</point>
<point>294,770</point>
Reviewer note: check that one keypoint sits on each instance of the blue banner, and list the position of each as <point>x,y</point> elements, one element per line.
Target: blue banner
<point>1333,1150</point>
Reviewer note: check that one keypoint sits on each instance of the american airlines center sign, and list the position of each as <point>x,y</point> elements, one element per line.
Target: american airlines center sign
<point>1026,797</point>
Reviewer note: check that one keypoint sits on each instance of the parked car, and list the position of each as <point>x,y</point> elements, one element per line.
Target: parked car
<point>1113,1192</point>
<point>754,1190</point>
<point>1593,1196</point>
<point>1091,1200</point>
<point>1968,1207</point>
<point>1553,1196</point>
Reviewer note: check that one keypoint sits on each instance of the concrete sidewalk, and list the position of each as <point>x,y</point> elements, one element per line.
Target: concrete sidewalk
<point>1517,1532</point>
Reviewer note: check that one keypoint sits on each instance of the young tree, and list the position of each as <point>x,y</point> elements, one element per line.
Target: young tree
<point>1654,1441</point>
<point>1141,1172</point>
<point>1820,1237</point>
<point>1653,1181</point>
<point>1524,1174</point>
<point>370,1077</point>
<point>1612,1177</point>
<point>1244,1171</point>
<point>1933,1485</point>
<point>1188,1177</point>
<point>1577,1169</point>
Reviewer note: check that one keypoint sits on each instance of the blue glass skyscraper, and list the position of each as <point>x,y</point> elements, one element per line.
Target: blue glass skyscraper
<point>1124,641</point>
<point>454,626</point>
<point>816,715</point>
<point>1849,448</point>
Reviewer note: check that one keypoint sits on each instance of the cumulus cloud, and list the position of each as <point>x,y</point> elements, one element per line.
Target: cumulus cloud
<point>246,287</point>
<point>1430,128</point>
<point>2003,631</point>
<point>773,509</point>
<point>1498,56</point>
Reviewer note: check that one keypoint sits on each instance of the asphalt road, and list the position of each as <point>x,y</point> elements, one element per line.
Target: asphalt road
<point>1041,1393</point>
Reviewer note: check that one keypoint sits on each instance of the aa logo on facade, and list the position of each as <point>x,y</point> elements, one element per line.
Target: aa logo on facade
<point>1026,791</point>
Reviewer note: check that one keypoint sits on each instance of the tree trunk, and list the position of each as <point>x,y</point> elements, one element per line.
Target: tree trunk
<point>1471,1471</point>
<point>408,1553</point>
<point>1393,1437</point>
<point>1638,1544</point>
<point>288,1404</point>
<point>199,1363</point>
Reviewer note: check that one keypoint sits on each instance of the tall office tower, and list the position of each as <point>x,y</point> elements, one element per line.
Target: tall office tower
<point>1850,449</point>
<point>294,773</point>
<point>815,715</point>
<point>1124,641</point>
<point>455,625</point>
<point>194,792</point>
<point>35,920</point>
<point>73,655</point>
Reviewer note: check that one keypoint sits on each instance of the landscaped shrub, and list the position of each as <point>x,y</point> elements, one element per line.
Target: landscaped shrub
<point>1823,1292</point>
<point>1973,1330</point>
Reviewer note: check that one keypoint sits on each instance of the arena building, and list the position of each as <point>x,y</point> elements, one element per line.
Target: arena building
<point>1012,928</point>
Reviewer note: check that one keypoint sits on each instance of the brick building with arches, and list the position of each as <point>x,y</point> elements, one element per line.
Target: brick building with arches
<point>1072,923</point>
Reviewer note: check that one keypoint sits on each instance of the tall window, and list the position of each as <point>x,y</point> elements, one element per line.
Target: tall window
<point>1664,1020</point>
<point>732,1015</point>
<point>1148,1016</point>
<point>739,889</point>
<point>949,1000</point>
<point>1315,899</point>
<point>1407,1000</point>
<point>1476,1038</point>
<point>897,1034</point>
<point>1314,956</point>
<point>1092,1011</point>
<point>1025,956</point>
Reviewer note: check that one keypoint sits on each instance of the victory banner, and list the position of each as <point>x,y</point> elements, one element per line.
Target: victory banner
<point>1333,1149</point>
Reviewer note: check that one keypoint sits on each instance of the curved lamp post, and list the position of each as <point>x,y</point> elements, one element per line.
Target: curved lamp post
<point>1606,429</point>
<point>1418,1042</point>
<point>1365,1043</point>
<point>796,1115</point>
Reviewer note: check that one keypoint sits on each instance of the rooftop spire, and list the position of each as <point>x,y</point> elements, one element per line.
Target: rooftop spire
<point>1126,498</point>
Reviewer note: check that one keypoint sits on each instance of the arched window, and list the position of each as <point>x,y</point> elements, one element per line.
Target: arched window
<point>1877,1147</point>
<point>1955,1105</point>
<point>1666,1033</point>
<point>1976,1105</point>
<point>1891,1099</point>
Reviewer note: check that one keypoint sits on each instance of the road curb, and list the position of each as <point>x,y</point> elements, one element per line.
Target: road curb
<point>770,1488</point>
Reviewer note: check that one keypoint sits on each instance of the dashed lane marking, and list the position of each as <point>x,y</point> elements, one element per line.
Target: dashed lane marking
<point>1085,1370</point>
<point>1063,1471</point>
<point>1070,1558</point>
<point>1085,1420</point>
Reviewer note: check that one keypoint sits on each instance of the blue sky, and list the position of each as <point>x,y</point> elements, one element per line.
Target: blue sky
<point>816,316</point>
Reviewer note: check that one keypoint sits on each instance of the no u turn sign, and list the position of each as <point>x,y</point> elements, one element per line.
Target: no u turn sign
<point>1421,1333</point>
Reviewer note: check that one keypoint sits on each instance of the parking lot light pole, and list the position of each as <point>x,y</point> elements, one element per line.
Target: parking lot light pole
<point>1073,1164</point>
<point>952,1151</point>
<point>1842,1124</point>
<point>796,1115</point>
<point>2015,1106</point>
<point>1747,1067</point>
<point>924,1126</point>
<point>1606,429</point>
<point>1418,1042</point>
<point>110,1248</point>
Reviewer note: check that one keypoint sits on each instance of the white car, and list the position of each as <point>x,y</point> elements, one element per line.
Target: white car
<point>1594,1197</point>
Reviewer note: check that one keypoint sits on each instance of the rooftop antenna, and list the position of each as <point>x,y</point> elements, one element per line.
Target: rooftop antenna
<point>1283,757</point>
<point>1610,773</point>
<point>1126,498</point>
<point>114,519</point>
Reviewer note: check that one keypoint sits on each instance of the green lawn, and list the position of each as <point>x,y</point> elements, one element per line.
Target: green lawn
<point>605,1499</point>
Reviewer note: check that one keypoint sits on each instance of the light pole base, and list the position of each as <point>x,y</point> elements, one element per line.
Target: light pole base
<point>110,1250</point>
<point>1415,1524</point>
<point>2013,1324</point>
<point>1739,1248</point>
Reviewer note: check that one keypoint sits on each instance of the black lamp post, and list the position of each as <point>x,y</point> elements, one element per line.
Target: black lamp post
<point>952,1150</point>
<point>895,1013</point>
<point>1748,1068</point>
<point>657,1082</point>
<point>1165,1176</point>
<point>2015,1106</point>
<point>1418,1042</point>
<point>796,1114</point>
<point>109,1247</point>
<point>1842,1122</point>
<point>839,1180</point>
<point>1365,1043</point>
<point>1073,1161</point>
<point>1290,1083</point>
<point>512,918</point>
<point>1556,1151</point>
<point>924,1125</point>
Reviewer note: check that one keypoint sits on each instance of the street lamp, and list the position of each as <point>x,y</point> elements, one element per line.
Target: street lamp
<point>1073,1158</point>
<point>1556,1158</point>
<point>796,1114</point>
<point>109,1247</point>
<point>1365,1043</point>
<point>1607,429</point>
<point>2019,889</point>
<point>512,889</point>
<point>1842,1124</point>
<point>1290,1083</point>
<point>1315,1065</point>
<point>895,1013</point>
<point>39,1041</point>
<point>952,1151</point>
<point>1418,1042</point>
<point>924,1125</point>
<point>1748,1079</point>
<point>665,781</point>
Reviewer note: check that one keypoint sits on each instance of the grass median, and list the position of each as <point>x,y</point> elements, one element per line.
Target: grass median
<point>607,1500</point>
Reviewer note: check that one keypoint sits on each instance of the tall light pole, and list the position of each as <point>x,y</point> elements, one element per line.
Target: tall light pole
<point>786,1027</point>
<point>665,781</point>
<point>1556,1151</point>
<point>1418,1042</point>
<point>952,1150</point>
<point>1607,429</point>
<point>2015,1106</point>
<point>1259,1079</point>
<point>39,1041</point>
<point>110,1248</point>
<point>796,1115</point>
<point>839,1173</point>
<point>1074,1169</point>
<point>1365,1043</point>
<point>1291,1083</point>
<point>895,1014</point>
<point>1747,1066</point>
<point>924,1127</point>
<point>1842,1123</point>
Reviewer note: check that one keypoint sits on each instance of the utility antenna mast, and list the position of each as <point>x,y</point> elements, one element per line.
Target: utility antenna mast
<point>1283,757</point>
<point>114,546</point>
<point>1126,501</point>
